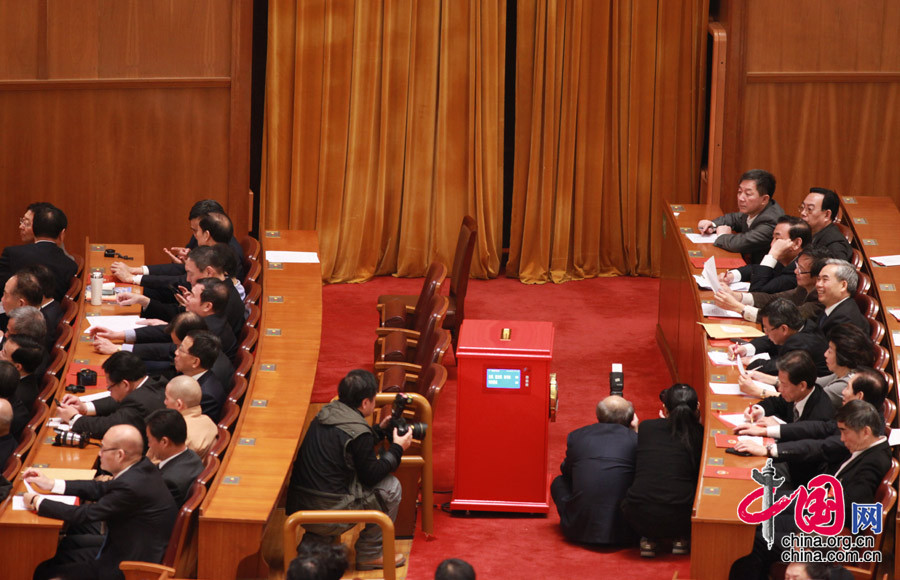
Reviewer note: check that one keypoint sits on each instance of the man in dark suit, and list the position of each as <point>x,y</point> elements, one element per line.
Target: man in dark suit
<point>775,273</point>
<point>194,358</point>
<point>132,397</point>
<point>861,429</point>
<point>819,210</point>
<point>166,437</point>
<point>836,286</point>
<point>786,331</point>
<point>7,441</point>
<point>9,381</point>
<point>135,504</point>
<point>26,355</point>
<point>596,474</point>
<point>748,231</point>
<point>49,228</point>
<point>800,399</point>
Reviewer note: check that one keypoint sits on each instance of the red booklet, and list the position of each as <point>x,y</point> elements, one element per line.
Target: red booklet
<point>720,262</point>
<point>728,440</point>
<point>724,472</point>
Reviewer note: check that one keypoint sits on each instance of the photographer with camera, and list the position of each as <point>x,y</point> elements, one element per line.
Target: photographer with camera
<point>337,469</point>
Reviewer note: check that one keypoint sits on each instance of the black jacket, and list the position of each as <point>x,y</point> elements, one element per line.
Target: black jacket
<point>808,339</point>
<point>753,242</point>
<point>179,474</point>
<point>173,269</point>
<point>845,312</point>
<point>133,409</point>
<point>770,279</point>
<point>214,395</point>
<point>831,238</point>
<point>666,471</point>
<point>14,258</point>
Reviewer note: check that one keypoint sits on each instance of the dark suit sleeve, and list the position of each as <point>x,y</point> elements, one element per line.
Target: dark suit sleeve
<point>828,450</point>
<point>97,426</point>
<point>151,334</point>
<point>105,406</point>
<point>778,407</point>
<point>743,242</point>
<point>171,269</point>
<point>807,430</point>
<point>861,482</point>
<point>109,498</point>
<point>161,310</point>
<point>161,351</point>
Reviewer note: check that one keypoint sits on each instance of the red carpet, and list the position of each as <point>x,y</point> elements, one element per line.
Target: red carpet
<point>597,322</point>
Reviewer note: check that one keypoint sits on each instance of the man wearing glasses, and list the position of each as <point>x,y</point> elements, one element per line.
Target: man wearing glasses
<point>819,210</point>
<point>135,504</point>
<point>132,397</point>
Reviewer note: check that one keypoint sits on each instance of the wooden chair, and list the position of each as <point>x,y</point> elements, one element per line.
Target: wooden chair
<point>381,519</point>
<point>856,259</point>
<point>49,385</point>
<point>882,357</point>
<point>248,338</point>
<point>244,360</point>
<point>64,335</point>
<point>396,313</point>
<point>865,283</point>
<point>39,413</point>
<point>867,305</point>
<point>876,331</point>
<point>79,263</point>
<point>25,442</point>
<point>430,349</point>
<point>252,292</point>
<point>391,343</point>
<point>253,269</point>
<point>253,316</point>
<point>74,291</point>
<point>13,467</point>
<point>70,310</point>
<point>238,390</point>
<point>185,525</point>
<point>57,362</point>
<point>230,413</point>
<point>251,247</point>
<point>847,231</point>
<point>211,465</point>
<point>428,383</point>
<point>221,444</point>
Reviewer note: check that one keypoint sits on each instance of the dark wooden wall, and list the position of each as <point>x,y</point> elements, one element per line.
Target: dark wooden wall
<point>813,95</point>
<point>123,113</point>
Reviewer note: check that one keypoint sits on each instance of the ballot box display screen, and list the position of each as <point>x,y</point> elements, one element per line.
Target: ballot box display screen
<point>503,379</point>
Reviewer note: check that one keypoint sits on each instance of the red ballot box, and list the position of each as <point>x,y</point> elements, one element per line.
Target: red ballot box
<point>502,416</point>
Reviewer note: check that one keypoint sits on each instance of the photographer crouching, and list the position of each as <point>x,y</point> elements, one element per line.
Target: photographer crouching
<point>337,469</point>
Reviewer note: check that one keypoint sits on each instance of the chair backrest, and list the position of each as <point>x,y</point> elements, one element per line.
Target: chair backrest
<point>253,316</point>
<point>252,292</point>
<point>434,279</point>
<point>856,259</point>
<point>865,283</point>
<point>186,516</point>
<point>845,229</point>
<point>12,467</point>
<point>248,338</point>
<point>26,440</point>
<point>876,331</point>
<point>49,385</point>
<point>39,413</point>
<point>431,382</point>
<point>462,264</point>
<point>74,291</point>
<point>238,390</point>
<point>434,349</point>
<point>221,443</point>
<point>867,305</point>
<point>57,361</point>
<point>251,248</point>
<point>211,465</point>
<point>426,343</point>
<point>253,271</point>
<point>230,414</point>
<point>244,360</point>
<point>433,315</point>
<point>64,334</point>
<point>882,357</point>
<point>70,310</point>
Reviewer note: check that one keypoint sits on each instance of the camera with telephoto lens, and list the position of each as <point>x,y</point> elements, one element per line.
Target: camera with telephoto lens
<point>86,378</point>
<point>400,422</point>
<point>70,439</point>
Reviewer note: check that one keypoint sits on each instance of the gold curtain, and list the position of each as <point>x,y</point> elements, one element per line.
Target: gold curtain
<point>607,100</point>
<point>383,128</point>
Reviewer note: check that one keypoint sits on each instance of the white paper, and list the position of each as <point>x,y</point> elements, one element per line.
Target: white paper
<point>94,396</point>
<point>751,438</point>
<point>709,272</point>
<point>19,500</point>
<point>113,323</point>
<point>292,257</point>
<point>734,418</point>
<point>887,260</point>
<point>720,358</point>
<point>735,389</point>
<point>702,238</point>
<point>58,424</point>
<point>895,312</point>
<point>710,310</point>
<point>895,335</point>
<point>894,437</point>
<point>733,329</point>
<point>736,286</point>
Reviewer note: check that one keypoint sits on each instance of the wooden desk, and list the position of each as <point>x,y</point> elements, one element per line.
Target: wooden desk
<point>718,536</point>
<point>875,222</point>
<point>259,459</point>
<point>32,539</point>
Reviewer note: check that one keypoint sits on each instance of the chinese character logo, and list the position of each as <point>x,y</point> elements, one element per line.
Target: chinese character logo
<point>867,516</point>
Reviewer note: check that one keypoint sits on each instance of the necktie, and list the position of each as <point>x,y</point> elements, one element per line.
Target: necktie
<point>796,414</point>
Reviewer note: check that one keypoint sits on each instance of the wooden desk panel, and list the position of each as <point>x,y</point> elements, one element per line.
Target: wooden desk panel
<point>718,536</point>
<point>246,490</point>
<point>32,538</point>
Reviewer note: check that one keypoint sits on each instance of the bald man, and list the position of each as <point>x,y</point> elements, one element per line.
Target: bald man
<point>596,474</point>
<point>7,441</point>
<point>183,393</point>
<point>135,504</point>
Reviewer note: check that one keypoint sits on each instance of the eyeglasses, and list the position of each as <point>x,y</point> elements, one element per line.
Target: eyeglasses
<point>24,221</point>
<point>808,208</point>
<point>102,450</point>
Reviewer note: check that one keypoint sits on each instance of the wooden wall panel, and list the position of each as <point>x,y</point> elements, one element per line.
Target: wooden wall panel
<point>811,92</point>
<point>124,113</point>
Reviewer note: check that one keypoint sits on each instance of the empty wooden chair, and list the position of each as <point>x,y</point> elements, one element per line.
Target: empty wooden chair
<point>396,313</point>
<point>430,349</point>
<point>427,383</point>
<point>389,340</point>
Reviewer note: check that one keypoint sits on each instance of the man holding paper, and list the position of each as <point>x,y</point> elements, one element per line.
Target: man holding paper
<point>748,231</point>
<point>135,504</point>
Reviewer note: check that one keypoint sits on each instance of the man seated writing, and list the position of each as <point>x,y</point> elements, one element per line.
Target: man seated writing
<point>336,468</point>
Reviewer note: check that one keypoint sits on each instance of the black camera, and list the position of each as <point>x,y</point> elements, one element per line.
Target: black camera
<point>86,378</point>
<point>75,389</point>
<point>400,422</point>
<point>70,439</point>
